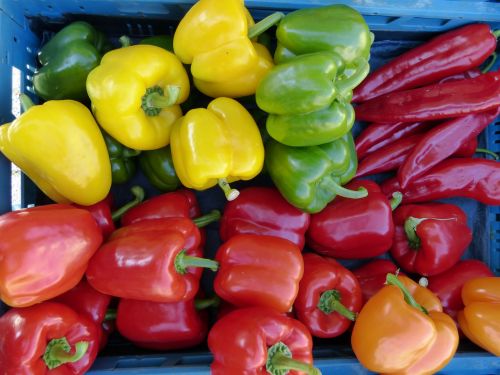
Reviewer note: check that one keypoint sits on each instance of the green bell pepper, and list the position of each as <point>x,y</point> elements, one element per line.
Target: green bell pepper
<point>158,167</point>
<point>123,166</point>
<point>310,177</point>
<point>66,59</point>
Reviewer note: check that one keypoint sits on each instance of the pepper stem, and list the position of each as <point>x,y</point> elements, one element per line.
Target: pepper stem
<point>110,315</point>
<point>496,33</point>
<point>491,63</point>
<point>280,361</point>
<point>203,303</point>
<point>410,227</point>
<point>204,220</point>
<point>423,281</point>
<point>183,261</point>
<point>487,152</point>
<point>330,302</point>
<point>26,102</point>
<point>57,352</point>
<point>349,83</point>
<point>138,193</point>
<point>346,193</point>
<point>264,24</point>
<point>397,198</point>
<point>231,194</point>
<point>392,279</point>
<point>154,100</point>
<point>125,41</point>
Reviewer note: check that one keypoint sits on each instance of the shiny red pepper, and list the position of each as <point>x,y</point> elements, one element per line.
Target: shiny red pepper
<point>329,297</point>
<point>259,270</point>
<point>436,101</point>
<point>448,284</point>
<point>354,228</point>
<point>441,142</point>
<point>48,338</point>
<point>429,238</point>
<point>258,340</point>
<point>472,178</point>
<point>447,54</point>
<point>372,276</point>
<point>154,260</point>
<point>263,210</point>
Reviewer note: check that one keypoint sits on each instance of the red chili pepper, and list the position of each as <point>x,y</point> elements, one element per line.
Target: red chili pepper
<point>48,338</point>
<point>336,230</point>
<point>447,54</point>
<point>429,238</point>
<point>44,252</point>
<point>329,297</point>
<point>372,276</point>
<point>448,284</point>
<point>263,210</point>
<point>441,142</point>
<point>155,260</point>
<point>164,326</point>
<point>258,340</point>
<point>259,270</point>
<point>433,102</point>
<point>472,178</point>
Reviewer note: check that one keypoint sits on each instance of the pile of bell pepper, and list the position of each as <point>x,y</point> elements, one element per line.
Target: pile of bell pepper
<point>305,249</point>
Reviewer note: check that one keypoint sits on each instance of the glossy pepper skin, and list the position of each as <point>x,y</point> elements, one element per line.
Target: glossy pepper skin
<point>66,60</point>
<point>404,332</point>
<point>122,160</point>
<point>252,275</point>
<point>372,276</point>
<point>472,178</point>
<point>158,167</point>
<point>447,54</point>
<point>135,94</point>
<point>68,161</point>
<point>44,252</point>
<point>336,231</point>
<point>262,210</point>
<point>429,238</point>
<point>216,143</point>
<point>311,177</point>
<point>258,340</point>
<point>448,285</point>
<point>480,318</point>
<point>141,261</point>
<point>329,297</point>
<point>435,101</point>
<point>48,338</point>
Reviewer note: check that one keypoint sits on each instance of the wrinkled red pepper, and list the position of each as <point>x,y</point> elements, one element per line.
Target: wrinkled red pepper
<point>48,338</point>
<point>259,270</point>
<point>336,230</point>
<point>447,54</point>
<point>258,340</point>
<point>329,297</point>
<point>429,238</point>
<point>472,178</point>
<point>155,260</point>
<point>372,276</point>
<point>263,210</point>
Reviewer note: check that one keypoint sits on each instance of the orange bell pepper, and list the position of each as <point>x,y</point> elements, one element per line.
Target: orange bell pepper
<point>480,318</point>
<point>402,330</point>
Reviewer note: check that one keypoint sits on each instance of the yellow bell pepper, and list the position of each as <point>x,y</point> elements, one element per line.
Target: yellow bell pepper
<point>224,61</point>
<point>60,147</point>
<point>135,94</point>
<point>217,145</point>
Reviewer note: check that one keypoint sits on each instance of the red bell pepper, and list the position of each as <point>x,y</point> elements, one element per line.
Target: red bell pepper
<point>259,270</point>
<point>433,102</point>
<point>429,238</point>
<point>447,54</point>
<point>44,252</point>
<point>154,260</point>
<point>448,284</point>
<point>259,340</point>
<point>48,338</point>
<point>164,326</point>
<point>329,297</point>
<point>441,142</point>
<point>372,276</point>
<point>263,210</point>
<point>472,178</point>
<point>336,230</point>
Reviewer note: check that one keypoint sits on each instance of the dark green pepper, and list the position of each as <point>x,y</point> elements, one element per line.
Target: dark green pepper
<point>66,59</point>
<point>163,41</point>
<point>158,167</point>
<point>123,166</point>
<point>310,177</point>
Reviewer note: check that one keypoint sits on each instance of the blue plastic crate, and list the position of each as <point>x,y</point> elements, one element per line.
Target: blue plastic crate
<point>398,25</point>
